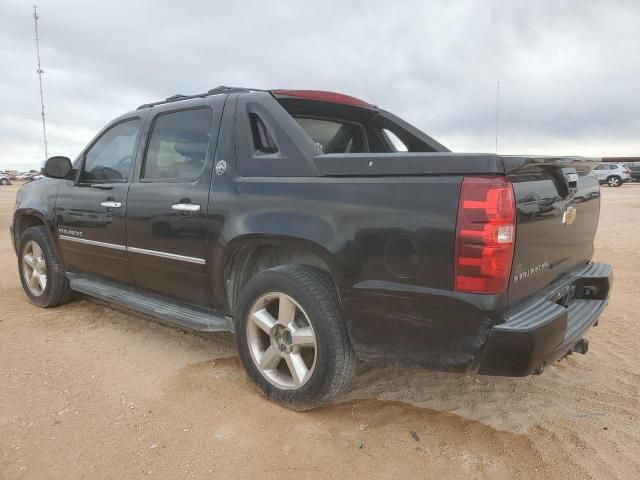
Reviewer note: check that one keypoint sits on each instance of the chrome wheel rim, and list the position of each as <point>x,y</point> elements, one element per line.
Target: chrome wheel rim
<point>613,182</point>
<point>34,268</point>
<point>282,341</point>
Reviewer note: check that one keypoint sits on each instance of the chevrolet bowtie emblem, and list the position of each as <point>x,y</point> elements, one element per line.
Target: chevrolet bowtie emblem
<point>569,216</point>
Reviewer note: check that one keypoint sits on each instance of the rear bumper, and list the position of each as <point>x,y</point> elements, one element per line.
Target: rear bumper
<point>545,328</point>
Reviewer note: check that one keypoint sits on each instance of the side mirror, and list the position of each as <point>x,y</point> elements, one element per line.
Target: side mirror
<point>57,167</point>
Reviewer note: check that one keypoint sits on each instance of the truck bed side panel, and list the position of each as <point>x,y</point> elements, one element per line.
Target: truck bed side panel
<point>390,239</point>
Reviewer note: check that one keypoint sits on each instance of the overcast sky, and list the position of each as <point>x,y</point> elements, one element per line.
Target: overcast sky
<point>569,71</point>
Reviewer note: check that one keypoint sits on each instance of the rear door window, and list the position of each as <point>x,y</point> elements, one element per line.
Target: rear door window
<point>178,146</point>
<point>334,136</point>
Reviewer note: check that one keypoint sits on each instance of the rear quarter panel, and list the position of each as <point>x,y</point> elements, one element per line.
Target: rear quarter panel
<point>397,301</point>
<point>354,220</point>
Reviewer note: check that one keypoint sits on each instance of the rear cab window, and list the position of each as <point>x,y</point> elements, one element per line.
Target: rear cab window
<point>353,129</point>
<point>284,142</point>
<point>334,136</point>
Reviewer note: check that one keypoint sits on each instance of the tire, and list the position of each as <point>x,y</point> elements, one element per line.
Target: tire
<point>330,363</point>
<point>614,181</point>
<point>36,242</point>
<point>4,181</point>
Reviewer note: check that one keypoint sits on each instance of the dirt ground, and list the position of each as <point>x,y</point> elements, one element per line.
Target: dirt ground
<point>90,392</point>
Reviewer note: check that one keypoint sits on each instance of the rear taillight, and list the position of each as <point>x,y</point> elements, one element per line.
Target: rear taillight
<point>485,235</point>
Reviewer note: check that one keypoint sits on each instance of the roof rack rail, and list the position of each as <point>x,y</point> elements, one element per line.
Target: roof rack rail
<point>179,97</point>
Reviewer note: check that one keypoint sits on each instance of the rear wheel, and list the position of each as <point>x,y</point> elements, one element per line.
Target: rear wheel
<point>291,337</point>
<point>614,181</point>
<point>4,181</point>
<point>41,273</point>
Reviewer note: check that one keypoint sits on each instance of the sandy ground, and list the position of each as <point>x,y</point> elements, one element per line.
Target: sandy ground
<point>90,392</point>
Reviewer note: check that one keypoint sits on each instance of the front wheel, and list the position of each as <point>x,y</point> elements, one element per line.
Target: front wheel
<point>4,181</point>
<point>291,337</point>
<point>42,275</point>
<point>614,181</point>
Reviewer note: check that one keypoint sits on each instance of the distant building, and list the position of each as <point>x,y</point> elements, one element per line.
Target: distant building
<point>621,159</point>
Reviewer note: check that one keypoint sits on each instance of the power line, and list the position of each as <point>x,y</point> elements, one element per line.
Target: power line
<point>40,73</point>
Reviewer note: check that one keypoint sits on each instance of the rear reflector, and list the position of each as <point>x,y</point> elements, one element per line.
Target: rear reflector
<point>324,97</point>
<point>485,235</point>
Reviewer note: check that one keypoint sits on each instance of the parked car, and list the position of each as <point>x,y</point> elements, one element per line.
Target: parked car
<point>32,177</point>
<point>634,170</point>
<point>5,179</point>
<point>321,229</point>
<point>613,174</point>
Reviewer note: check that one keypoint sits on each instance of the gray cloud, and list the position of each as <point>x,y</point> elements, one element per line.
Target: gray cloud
<point>568,69</point>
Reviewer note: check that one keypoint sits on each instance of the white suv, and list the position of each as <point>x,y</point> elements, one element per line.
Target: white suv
<point>613,174</point>
<point>4,179</point>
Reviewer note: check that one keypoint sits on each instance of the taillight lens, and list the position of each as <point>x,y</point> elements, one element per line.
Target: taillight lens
<point>485,235</point>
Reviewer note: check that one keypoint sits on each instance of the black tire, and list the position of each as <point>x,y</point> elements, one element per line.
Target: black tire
<point>56,291</point>
<point>335,361</point>
<point>614,181</point>
<point>4,181</point>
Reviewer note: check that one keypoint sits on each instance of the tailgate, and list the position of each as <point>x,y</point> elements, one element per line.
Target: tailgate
<point>558,204</point>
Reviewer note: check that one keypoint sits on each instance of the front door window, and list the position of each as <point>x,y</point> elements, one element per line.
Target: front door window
<point>110,158</point>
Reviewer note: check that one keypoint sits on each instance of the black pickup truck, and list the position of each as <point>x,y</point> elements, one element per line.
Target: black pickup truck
<point>321,229</point>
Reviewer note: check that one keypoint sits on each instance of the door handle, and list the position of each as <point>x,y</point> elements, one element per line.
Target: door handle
<point>186,207</point>
<point>111,204</point>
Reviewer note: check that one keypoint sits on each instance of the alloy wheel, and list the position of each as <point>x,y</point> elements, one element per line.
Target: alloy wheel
<point>34,268</point>
<point>282,341</point>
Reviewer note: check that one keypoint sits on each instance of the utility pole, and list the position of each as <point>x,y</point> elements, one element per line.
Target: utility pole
<point>40,73</point>
<point>497,113</point>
